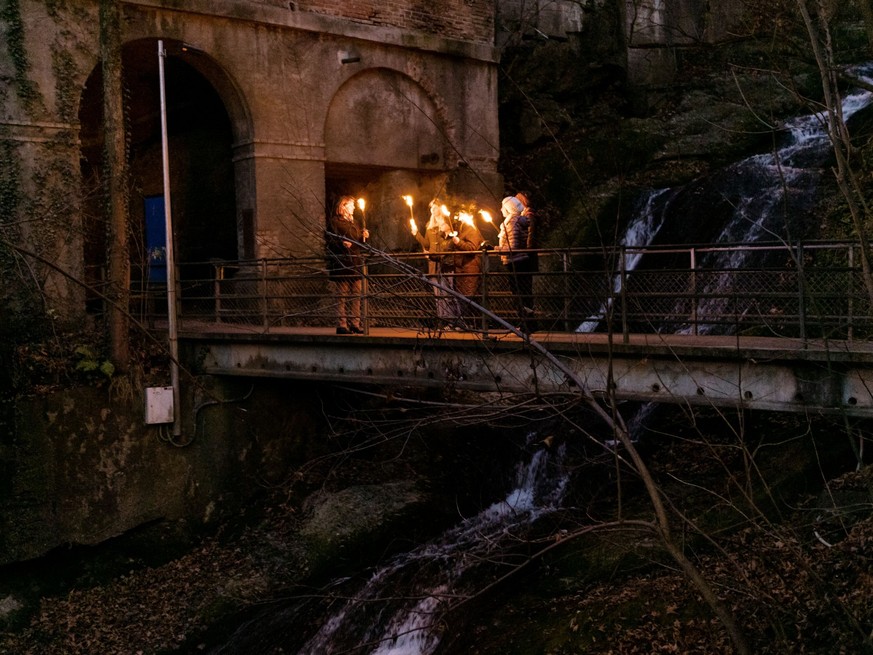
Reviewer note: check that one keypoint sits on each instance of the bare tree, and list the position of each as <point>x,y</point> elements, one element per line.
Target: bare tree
<point>816,24</point>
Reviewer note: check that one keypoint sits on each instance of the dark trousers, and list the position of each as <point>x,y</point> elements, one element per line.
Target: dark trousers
<point>521,284</point>
<point>467,282</point>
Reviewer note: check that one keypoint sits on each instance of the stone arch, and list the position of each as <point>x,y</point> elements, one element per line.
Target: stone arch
<point>385,135</point>
<point>383,118</point>
<point>206,118</point>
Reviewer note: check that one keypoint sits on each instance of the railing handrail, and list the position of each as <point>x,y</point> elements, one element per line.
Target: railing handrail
<point>574,250</point>
<point>789,289</point>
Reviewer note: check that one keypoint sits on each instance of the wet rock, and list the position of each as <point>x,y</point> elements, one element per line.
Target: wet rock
<point>350,526</point>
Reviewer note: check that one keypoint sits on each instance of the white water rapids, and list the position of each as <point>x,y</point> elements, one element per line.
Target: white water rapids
<point>766,189</point>
<point>437,571</point>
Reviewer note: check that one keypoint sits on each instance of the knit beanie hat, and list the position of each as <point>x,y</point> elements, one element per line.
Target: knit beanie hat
<point>512,205</point>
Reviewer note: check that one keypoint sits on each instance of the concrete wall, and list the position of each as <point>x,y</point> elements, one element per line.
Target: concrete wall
<point>79,466</point>
<point>538,19</point>
<point>412,109</point>
<point>288,72</point>
<point>654,27</point>
<point>468,20</point>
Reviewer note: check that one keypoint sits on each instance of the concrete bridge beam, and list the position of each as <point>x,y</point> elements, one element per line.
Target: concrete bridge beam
<point>807,381</point>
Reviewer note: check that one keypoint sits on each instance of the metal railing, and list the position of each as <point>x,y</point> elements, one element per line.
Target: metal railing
<point>812,290</point>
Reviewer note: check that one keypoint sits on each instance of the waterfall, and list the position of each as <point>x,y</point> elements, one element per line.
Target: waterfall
<point>754,195</point>
<point>437,570</point>
<point>792,170</point>
<point>785,183</point>
<point>640,232</point>
<point>397,610</point>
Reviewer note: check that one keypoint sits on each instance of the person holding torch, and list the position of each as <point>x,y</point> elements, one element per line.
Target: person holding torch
<point>345,263</point>
<point>468,243</point>
<point>436,242</point>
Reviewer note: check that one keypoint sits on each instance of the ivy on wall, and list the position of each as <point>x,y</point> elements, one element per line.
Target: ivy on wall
<point>10,182</point>
<point>66,88</point>
<point>12,295</point>
<point>25,88</point>
<point>38,188</point>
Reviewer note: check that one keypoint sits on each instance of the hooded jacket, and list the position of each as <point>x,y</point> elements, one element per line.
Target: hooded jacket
<point>513,233</point>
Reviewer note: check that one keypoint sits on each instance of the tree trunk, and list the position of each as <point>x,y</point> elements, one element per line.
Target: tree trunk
<point>838,133</point>
<point>115,185</point>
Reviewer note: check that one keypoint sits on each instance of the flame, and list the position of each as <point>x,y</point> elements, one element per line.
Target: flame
<point>465,217</point>
<point>407,200</point>
<point>445,210</point>
<point>362,204</point>
<point>486,216</point>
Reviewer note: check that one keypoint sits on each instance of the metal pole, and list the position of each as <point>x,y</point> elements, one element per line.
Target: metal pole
<point>172,329</point>
<point>694,299</point>
<point>483,254</point>
<point>850,332</point>
<point>801,300</point>
<point>365,270</point>
<point>625,333</point>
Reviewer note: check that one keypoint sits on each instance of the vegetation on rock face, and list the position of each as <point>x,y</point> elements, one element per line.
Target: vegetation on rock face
<point>582,136</point>
<point>788,556</point>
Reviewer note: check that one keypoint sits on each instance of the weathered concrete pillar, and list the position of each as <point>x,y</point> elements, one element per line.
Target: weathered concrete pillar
<point>290,200</point>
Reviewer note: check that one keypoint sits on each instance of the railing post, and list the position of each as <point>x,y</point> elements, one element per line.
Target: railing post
<point>216,287</point>
<point>801,302</point>
<point>485,269</point>
<point>694,298</point>
<point>266,322</point>
<point>622,258</point>
<point>365,295</point>
<point>565,265</point>
<point>850,310</point>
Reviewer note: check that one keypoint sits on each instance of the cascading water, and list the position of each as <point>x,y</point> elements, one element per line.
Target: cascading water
<point>640,232</point>
<point>384,617</point>
<point>785,184</point>
<point>754,195</point>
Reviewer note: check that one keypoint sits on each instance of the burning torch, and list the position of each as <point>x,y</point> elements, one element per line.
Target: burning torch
<point>362,205</point>
<point>412,225</point>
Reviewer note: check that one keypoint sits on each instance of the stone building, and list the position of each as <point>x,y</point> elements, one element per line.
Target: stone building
<point>273,110</point>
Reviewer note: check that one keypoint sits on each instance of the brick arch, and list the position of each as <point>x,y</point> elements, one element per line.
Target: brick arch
<point>383,118</point>
<point>207,119</point>
<point>225,86</point>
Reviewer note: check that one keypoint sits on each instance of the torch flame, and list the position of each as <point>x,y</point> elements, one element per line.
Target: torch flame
<point>465,217</point>
<point>445,210</point>
<point>486,216</point>
<point>361,204</point>
<point>407,199</point>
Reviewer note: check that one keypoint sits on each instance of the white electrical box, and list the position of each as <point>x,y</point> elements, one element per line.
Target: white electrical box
<point>158,405</point>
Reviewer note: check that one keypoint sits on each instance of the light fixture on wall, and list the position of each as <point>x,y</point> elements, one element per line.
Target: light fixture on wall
<point>348,56</point>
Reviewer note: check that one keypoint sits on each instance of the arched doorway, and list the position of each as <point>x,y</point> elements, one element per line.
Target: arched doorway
<point>385,137</point>
<point>200,138</point>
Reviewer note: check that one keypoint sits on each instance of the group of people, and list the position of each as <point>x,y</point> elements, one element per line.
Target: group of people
<point>453,256</point>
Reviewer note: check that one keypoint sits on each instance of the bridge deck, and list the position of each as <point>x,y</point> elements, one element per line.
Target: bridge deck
<point>769,373</point>
<point>274,318</point>
<point>684,345</point>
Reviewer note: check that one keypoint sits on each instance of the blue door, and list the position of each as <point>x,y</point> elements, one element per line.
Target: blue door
<point>156,239</point>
